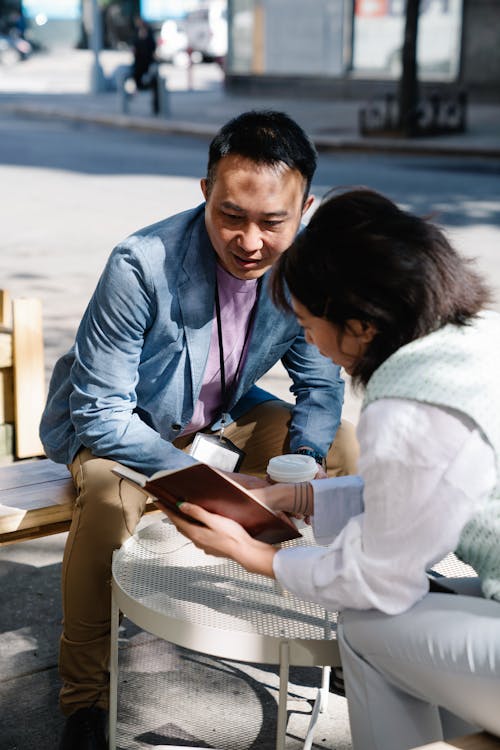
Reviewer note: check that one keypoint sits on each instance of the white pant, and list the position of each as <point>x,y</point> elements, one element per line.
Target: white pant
<point>404,673</point>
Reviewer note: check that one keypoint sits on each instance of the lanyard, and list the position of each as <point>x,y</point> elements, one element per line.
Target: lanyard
<point>227,395</point>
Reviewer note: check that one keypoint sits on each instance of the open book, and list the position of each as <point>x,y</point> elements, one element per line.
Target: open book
<point>211,489</point>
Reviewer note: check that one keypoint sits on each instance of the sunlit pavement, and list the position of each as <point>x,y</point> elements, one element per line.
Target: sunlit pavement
<point>59,84</point>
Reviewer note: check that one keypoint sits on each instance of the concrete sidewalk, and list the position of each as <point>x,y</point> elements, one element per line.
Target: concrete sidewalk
<point>58,86</point>
<point>167,695</point>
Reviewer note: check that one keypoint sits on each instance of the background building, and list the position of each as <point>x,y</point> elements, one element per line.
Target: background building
<point>352,48</point>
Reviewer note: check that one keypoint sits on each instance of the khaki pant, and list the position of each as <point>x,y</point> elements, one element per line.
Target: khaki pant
<point>106,513</point>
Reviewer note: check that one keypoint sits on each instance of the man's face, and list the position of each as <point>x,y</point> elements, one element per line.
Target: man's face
<point>252,213</point>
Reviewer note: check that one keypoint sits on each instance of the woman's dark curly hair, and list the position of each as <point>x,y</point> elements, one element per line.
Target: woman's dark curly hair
<point>363,258</point>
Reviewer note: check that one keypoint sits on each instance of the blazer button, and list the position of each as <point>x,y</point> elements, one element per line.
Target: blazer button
<point>176,427</point>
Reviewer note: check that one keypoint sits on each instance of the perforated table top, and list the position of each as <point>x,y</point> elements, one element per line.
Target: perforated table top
<point>161,573</point>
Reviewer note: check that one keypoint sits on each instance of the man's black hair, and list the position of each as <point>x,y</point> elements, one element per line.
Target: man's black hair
<point>265,137</point>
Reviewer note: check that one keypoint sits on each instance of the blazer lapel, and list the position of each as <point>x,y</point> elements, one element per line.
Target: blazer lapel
<point>196,295</point>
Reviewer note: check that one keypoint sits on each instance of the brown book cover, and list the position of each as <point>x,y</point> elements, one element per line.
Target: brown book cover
<point>209,488</point>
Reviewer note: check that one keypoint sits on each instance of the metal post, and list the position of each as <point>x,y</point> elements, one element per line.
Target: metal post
<point>122,87</point>
<point>190,69</point>
<point>283,695</point>
<point>163,96</point>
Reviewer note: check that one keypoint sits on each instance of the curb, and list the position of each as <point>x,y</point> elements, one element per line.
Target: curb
<point>418,147</point>
<point>145,124</point>
<point>322,142</point>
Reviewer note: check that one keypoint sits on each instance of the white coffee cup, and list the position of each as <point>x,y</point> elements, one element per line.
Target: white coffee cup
<point>292,468</point>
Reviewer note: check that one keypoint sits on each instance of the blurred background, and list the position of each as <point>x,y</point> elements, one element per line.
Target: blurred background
<point>335,46</point>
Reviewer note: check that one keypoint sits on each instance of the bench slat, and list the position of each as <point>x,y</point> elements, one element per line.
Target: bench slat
<point>24,473</point>
<point>15,518</point>
<point>29,377</point>
<point>30,497</point>
<point>36,499</point>
<point>34,532</point>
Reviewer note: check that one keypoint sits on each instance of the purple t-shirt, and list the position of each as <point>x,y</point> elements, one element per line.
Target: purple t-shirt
<point>237,298</point>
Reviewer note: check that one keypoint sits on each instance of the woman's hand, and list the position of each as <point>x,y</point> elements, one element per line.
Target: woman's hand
<point>223,537</point>
<point>278,497</point>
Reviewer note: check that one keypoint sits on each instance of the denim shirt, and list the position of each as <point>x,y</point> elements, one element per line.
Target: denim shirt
<point>128,386</point>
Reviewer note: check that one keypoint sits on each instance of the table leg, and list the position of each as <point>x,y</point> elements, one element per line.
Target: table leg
<point>321,700</point>
<point>113,673</point>
<point>320,705</point>
<point>283,695</point>
<point>325,688</point>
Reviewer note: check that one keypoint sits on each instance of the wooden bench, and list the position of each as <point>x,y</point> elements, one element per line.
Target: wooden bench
<point>36,499</point>
<point>479,741</point>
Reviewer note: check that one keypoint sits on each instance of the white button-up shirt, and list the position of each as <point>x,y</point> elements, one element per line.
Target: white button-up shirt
<point>426,471</point>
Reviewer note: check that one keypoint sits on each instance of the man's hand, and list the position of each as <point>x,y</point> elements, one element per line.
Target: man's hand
<point>321,473</point>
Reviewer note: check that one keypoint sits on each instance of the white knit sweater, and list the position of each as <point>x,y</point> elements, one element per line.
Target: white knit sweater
<point>457,368</point>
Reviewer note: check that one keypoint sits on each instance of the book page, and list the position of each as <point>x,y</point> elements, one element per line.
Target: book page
<point>125,472</point>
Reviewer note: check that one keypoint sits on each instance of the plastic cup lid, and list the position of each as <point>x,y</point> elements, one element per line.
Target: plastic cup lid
<point>292,467</point>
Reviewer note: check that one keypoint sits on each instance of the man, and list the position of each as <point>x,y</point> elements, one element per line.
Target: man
<point>178,331</point>
<point>144,69</point>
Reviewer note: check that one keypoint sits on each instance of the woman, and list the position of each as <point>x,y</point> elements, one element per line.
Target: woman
<point>382,293</point>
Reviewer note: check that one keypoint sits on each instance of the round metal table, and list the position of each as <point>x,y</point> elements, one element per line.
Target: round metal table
<point>168,587</point>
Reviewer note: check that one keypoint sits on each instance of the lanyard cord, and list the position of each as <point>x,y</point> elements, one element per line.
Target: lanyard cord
<point>226,396</point>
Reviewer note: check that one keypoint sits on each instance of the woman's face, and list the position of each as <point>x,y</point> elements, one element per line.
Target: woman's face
<point>343,348</point>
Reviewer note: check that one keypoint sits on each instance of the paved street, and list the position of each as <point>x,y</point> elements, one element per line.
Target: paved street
<point>71,190</point>
<point>76,189</point>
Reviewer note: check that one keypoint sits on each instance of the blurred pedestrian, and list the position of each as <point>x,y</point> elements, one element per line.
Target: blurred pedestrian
<point>145,68</point>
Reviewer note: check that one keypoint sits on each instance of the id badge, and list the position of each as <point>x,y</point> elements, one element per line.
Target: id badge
<point>216,451</point>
